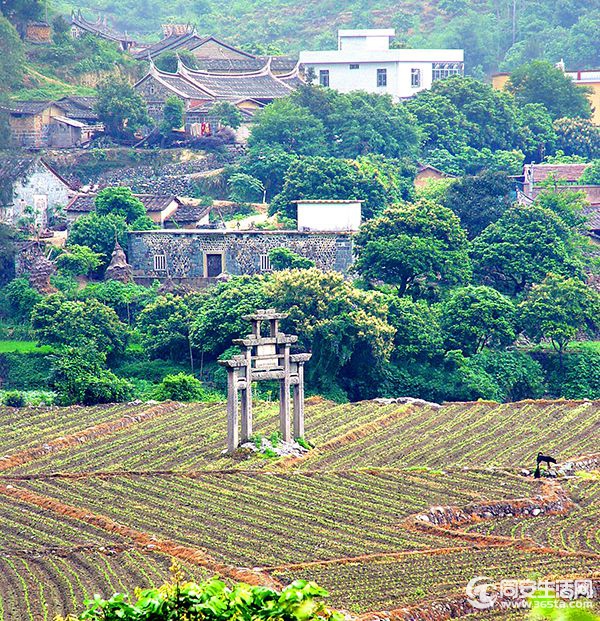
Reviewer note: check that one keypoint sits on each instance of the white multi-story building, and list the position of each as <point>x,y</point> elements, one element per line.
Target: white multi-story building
<point>364,61</point>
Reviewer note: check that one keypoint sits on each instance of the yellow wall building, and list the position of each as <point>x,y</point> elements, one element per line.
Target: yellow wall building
<point>587,77</point>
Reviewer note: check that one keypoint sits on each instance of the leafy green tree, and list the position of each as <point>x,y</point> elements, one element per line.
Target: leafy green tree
<point>12,56</point>
<point>473,318</point>
<point>591,175</point>
<point>126,299</point>
<point>121,108</point>
<point>541,82</point>
<point>56,321</point>
<point>479,200</point>
<point>18,299</point>
<point>79,376</point>
<point>8,237</point>
<point>245,188</point>
<point>345,328</point>
<point>289,125</point>
<point>218,313</point>
<point>333,178</point>
<point>78,261</point>
<point>418,331</point>
<point>19,12</point>
<point>168,61</point>
<point>578,137</point>
<point>164,327</point>
<point>173,115</point>
<point>537,135</point>
<point>521,247</point>
<point>359,123</point>
<point>180,387</point>
<point>491,117</point>
<point>269,163</point>
<point>121,202</point>
<point>227,114</point>
<point>557,309</point>
<point>566,205</point>
<point>414,247</point>
<point>99,233</point>
<point>285,259</point>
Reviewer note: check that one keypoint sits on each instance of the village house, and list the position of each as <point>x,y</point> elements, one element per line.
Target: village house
<point>161,209</point>
<point>365,61</point>
<point>64,123</point>
<point>30,187</point>
<point>38,33</point>
<point>425,172</point>
<point>200,90</point>
<point>200,257</point>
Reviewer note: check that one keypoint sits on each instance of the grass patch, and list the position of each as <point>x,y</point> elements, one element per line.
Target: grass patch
<point>23,347</point>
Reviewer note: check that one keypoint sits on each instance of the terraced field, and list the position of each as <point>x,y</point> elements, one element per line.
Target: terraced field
<point>396,505</point>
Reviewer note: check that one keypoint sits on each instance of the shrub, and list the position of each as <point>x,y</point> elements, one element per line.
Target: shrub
<point>78,260</point>
<point>284,258</point>
<point>582,377</point>
<point>14,399</point>
<point>215,601</point>
<point>181,387</point>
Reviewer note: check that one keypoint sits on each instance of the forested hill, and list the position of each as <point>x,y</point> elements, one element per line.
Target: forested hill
<point>496,34</point>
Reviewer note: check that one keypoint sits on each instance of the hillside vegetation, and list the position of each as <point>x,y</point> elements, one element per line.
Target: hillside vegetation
<point>492,34</point>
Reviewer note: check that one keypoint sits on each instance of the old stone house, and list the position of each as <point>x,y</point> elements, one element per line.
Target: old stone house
<point>67,122</point>
<point>30,184</point>
<point>198,257</point>
<point>38,32</point>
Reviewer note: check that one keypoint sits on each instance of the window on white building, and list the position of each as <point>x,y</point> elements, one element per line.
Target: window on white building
<point>324,77</point>
<point>381,77</point>
<point>354,66</point>
<point>265,263</point>
<point>160,263</point>
<point>445,70</point>
<point>415,78</point>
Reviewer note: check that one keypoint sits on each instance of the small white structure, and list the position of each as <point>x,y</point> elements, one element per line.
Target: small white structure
<point>329,215</point>
<point>364,61</point>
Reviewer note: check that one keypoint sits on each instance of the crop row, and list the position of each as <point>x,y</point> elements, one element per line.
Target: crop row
<point>37,587</point>
<point>476,434</point>
<point>270,519</point>
<point>392,583</point>
<point>26,527</point>
<point>192,438</point>
<point>578,530</point>
<point>22,428</point>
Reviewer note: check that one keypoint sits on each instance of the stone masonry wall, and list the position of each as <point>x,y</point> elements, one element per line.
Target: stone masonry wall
<point>184,251</point>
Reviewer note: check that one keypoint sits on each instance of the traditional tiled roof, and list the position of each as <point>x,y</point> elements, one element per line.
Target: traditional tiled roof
<point>205,109</point>
<point>258,85</point>
<point>536,173</point>
<point>13,168</point>
<point>99,28</point>
<point>189,214</point>
<point>186,41</point>
<point>279,64</point>
<point>592,192</point>
<point>177,83</point>
<point>27,107</point>
<point>84,203</point>
<point>593,219</point>
<point>80,108</point>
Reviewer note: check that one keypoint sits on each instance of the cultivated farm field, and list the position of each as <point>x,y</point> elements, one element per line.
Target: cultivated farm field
<point>396,507</point>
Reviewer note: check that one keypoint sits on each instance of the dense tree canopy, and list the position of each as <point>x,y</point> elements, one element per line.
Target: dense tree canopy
<point>120,202</point>
<point>521,247</point>
<point>480,200</point>
<point>121,108</point>
<point>413,246</point>
<point>541,82</point>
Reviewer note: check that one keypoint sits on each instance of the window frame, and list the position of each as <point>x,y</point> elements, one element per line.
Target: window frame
<point>324,77</point>
<point>265,263</point>
<point>415,72</point>
<point>354,66</point>
<point>160,262</point>
<point>382,77</point>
